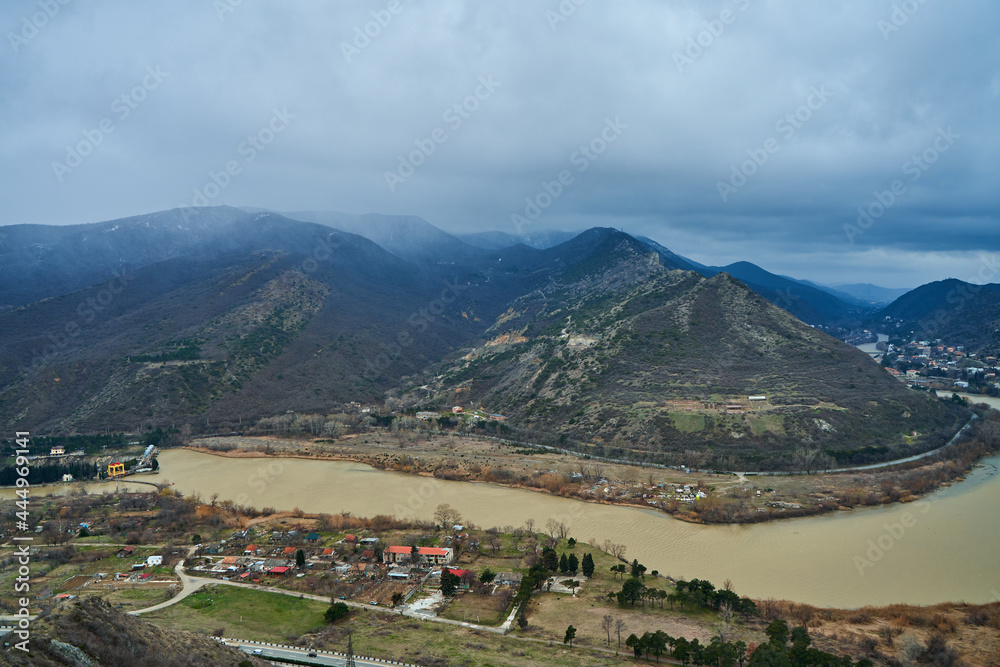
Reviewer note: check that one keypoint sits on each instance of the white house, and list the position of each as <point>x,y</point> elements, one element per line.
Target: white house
<point>153,561</point>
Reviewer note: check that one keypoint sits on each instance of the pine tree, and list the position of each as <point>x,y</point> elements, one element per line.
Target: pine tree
<point>563,564</point>
<point>574,564</point>
<point>588,565</point>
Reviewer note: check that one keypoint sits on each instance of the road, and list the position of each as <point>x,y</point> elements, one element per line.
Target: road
<point>302,655</point>
<point>191,584</point>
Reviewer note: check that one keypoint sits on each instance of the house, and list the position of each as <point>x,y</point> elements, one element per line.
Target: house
<point>229,560</point>
<point>289,552</point>
<point>138,566</point>
<point>350,539</point>
<point>67,477</point>
<point>367,554</point>
<point>312,537</point>
<point>57,451</point>
<point>213,548</point>
<point>327,553</point>
<point>457,410</point>
<point>282,571</point>
<point>125,552</point>
<point>427,415</point>
<point>368,541</point>
<point>251,550</point>
<point>153,561</point>
<point>508,579</point>
<point>430,555</point>
<point>757,398</point>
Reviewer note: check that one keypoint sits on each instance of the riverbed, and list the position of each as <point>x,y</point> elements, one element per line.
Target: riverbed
<point>942,548</point>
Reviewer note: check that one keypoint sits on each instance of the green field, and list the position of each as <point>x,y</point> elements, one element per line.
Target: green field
<point>245,614</point>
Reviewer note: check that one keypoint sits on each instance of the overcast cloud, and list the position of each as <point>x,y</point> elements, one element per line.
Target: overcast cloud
<point>675,95</point>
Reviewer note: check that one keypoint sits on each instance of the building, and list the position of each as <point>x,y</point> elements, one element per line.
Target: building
<point>125,552</point>
<point>429,555</point>
<point>312,537</point>
<point>251,550</point>
<point>427,415</point>
<point>153,561</point>
<point>116,469</point>
<point>282,571</point>
<point>57,451</point>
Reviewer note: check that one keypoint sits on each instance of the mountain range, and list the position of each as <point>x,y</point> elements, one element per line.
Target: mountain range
<point>218,316</point>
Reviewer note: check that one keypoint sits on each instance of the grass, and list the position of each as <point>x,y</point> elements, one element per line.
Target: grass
<point>245,614</point>
<point>686,422</point>
<point>475,608</point>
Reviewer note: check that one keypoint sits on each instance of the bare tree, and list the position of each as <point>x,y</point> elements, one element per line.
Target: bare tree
<point>619,626</point>
<point>529,525</point>
<point>608,622</point>
<point>726,614</point>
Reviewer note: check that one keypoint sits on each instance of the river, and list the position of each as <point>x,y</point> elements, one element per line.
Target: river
<point>942,548</point>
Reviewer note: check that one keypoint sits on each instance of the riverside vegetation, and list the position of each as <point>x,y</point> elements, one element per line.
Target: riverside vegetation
<point>615,606</point>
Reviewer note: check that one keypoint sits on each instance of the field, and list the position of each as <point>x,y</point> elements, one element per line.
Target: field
<point>244,614</point>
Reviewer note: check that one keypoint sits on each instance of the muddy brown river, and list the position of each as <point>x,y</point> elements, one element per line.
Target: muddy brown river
<point>945,547</point>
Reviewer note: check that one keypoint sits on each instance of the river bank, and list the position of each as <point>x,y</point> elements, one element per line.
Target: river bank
<point>695,497</point>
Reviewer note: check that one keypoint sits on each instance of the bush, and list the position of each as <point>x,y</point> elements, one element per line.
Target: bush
<point>337,611</point>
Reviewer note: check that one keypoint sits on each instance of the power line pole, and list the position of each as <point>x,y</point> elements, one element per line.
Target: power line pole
<point>349,659</point>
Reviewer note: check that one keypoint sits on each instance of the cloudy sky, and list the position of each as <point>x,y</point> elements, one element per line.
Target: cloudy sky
<point>748,129</point>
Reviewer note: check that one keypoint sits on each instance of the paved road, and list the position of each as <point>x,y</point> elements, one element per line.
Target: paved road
<point>321,658</point>
<point>191,584</point>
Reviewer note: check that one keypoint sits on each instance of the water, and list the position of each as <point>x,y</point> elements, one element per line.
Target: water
<point>942,548</point>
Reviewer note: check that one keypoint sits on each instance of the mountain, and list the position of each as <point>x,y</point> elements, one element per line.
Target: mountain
<point>89,631</point>
<point>952,310</point>
<point>620,354</point>
<point>289,315</point>
<point>808,303</point>
<point>500,240</point>
<point>219,316</point>
<point>868,293</point>
<point>408,237</point>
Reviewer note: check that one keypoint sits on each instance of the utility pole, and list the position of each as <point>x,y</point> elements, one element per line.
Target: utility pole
<point>349,659</point>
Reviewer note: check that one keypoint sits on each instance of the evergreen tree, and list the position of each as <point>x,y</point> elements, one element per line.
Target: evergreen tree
<point>563,564</point>
<point>573,564</point>
<point>588,565</point>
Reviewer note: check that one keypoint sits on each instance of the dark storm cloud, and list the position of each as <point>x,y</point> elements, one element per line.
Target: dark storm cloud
<point>746,129</point>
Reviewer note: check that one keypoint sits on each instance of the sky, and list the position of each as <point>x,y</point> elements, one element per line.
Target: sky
<point>844,142</point>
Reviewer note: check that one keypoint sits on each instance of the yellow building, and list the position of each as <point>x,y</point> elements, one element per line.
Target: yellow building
<point>116,470</point>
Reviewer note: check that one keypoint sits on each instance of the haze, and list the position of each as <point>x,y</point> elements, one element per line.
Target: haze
<point>821,109</point>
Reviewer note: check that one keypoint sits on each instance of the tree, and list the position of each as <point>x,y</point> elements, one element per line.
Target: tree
<point>570,584</point>
<point>300,559</point>
<point>570,635</point>
<point>550,560</point>
<point>637,644</point>
<point>638,570</point>
<point>337,611</point>
<point>563,564</point>
<point>449,582</point>
<point>487,576</point>
<point>607,622</point>
<point>573,564</point>
<point>447,516</point>
<point>571,542</point>
<point>397,598</point>
<point>777,633</point>
<point>619,626</point>
<point>618,569</point>
<point>588,565</point>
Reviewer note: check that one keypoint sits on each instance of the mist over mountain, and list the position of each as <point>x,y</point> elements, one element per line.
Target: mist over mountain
<point>221,315</point>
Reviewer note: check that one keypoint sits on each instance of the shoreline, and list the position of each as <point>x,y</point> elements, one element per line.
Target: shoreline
<point>680,513</point>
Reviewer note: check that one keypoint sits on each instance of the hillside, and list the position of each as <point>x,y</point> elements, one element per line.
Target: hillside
<point>953,310</point>
<point>227,336</point>
<point>810,304</point>
<point>641,360</point>
<point>90,632</point>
